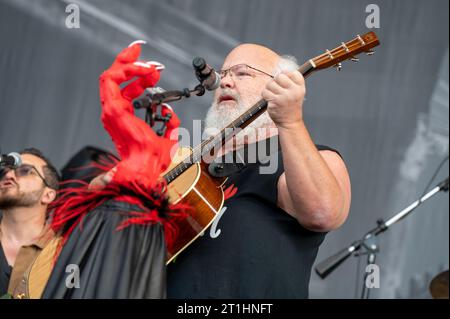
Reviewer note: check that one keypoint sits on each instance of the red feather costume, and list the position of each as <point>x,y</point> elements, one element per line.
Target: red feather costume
<point>144,156</point>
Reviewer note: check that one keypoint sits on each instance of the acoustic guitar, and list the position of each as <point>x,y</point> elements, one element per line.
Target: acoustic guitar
<point>188,178</point>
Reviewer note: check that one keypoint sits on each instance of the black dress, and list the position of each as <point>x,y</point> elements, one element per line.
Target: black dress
<point>129,263</point>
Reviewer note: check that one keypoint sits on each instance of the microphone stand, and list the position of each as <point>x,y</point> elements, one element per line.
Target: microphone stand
<point>151,101</point>
<point>167,96</point>
<point>209,80</point>
<point>369,241</point>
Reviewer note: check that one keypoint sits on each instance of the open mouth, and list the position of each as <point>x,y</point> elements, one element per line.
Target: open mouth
<point>7,185</point>
<point>226,98</point>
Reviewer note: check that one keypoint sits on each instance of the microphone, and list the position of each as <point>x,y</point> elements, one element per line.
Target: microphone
<point>12,159</point>
<point>207,76</point>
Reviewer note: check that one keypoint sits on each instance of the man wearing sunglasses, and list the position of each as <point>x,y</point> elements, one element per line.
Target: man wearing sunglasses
<point>265,241</point>
<point>25,194</point>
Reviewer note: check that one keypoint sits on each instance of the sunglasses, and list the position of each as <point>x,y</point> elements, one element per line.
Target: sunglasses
<point>21,171</point>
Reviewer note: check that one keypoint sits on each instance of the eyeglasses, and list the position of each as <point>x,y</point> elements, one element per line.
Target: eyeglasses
<point>241,72</point>
<point>21,171</point>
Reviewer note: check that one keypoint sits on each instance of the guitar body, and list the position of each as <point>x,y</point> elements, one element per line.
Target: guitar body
<point>200,191</point>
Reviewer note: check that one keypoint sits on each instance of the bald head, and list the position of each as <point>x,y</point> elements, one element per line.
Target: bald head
<point>239,91</point>
<point>254,55</point>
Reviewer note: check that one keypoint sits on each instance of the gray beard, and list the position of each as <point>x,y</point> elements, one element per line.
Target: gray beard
<point>20,199</point>
<point>218,118</point>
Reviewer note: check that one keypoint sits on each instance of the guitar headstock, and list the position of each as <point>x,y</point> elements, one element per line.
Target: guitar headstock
<point>346,51</point>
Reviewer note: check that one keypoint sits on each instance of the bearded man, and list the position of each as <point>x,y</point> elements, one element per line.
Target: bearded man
<point>265,241</point>
<point>25,194</point>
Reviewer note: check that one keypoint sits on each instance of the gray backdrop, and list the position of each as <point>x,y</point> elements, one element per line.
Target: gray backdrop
<point>387,114</point>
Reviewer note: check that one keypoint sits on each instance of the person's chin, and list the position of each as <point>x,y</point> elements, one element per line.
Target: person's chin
<point>227,104</point>
<point>7,189</point>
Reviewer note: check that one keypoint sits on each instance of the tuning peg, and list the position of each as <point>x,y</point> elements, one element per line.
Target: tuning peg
<point>338,66</point>
<point>370,52</point>
<point>353,59</point>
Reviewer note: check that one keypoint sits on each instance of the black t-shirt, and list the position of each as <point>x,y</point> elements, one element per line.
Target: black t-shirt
<point>253,250</point>
<point>5,273</point>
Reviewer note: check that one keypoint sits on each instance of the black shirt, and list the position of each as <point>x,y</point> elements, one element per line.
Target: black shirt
<point>253,250</point>
<point>5,272</point>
